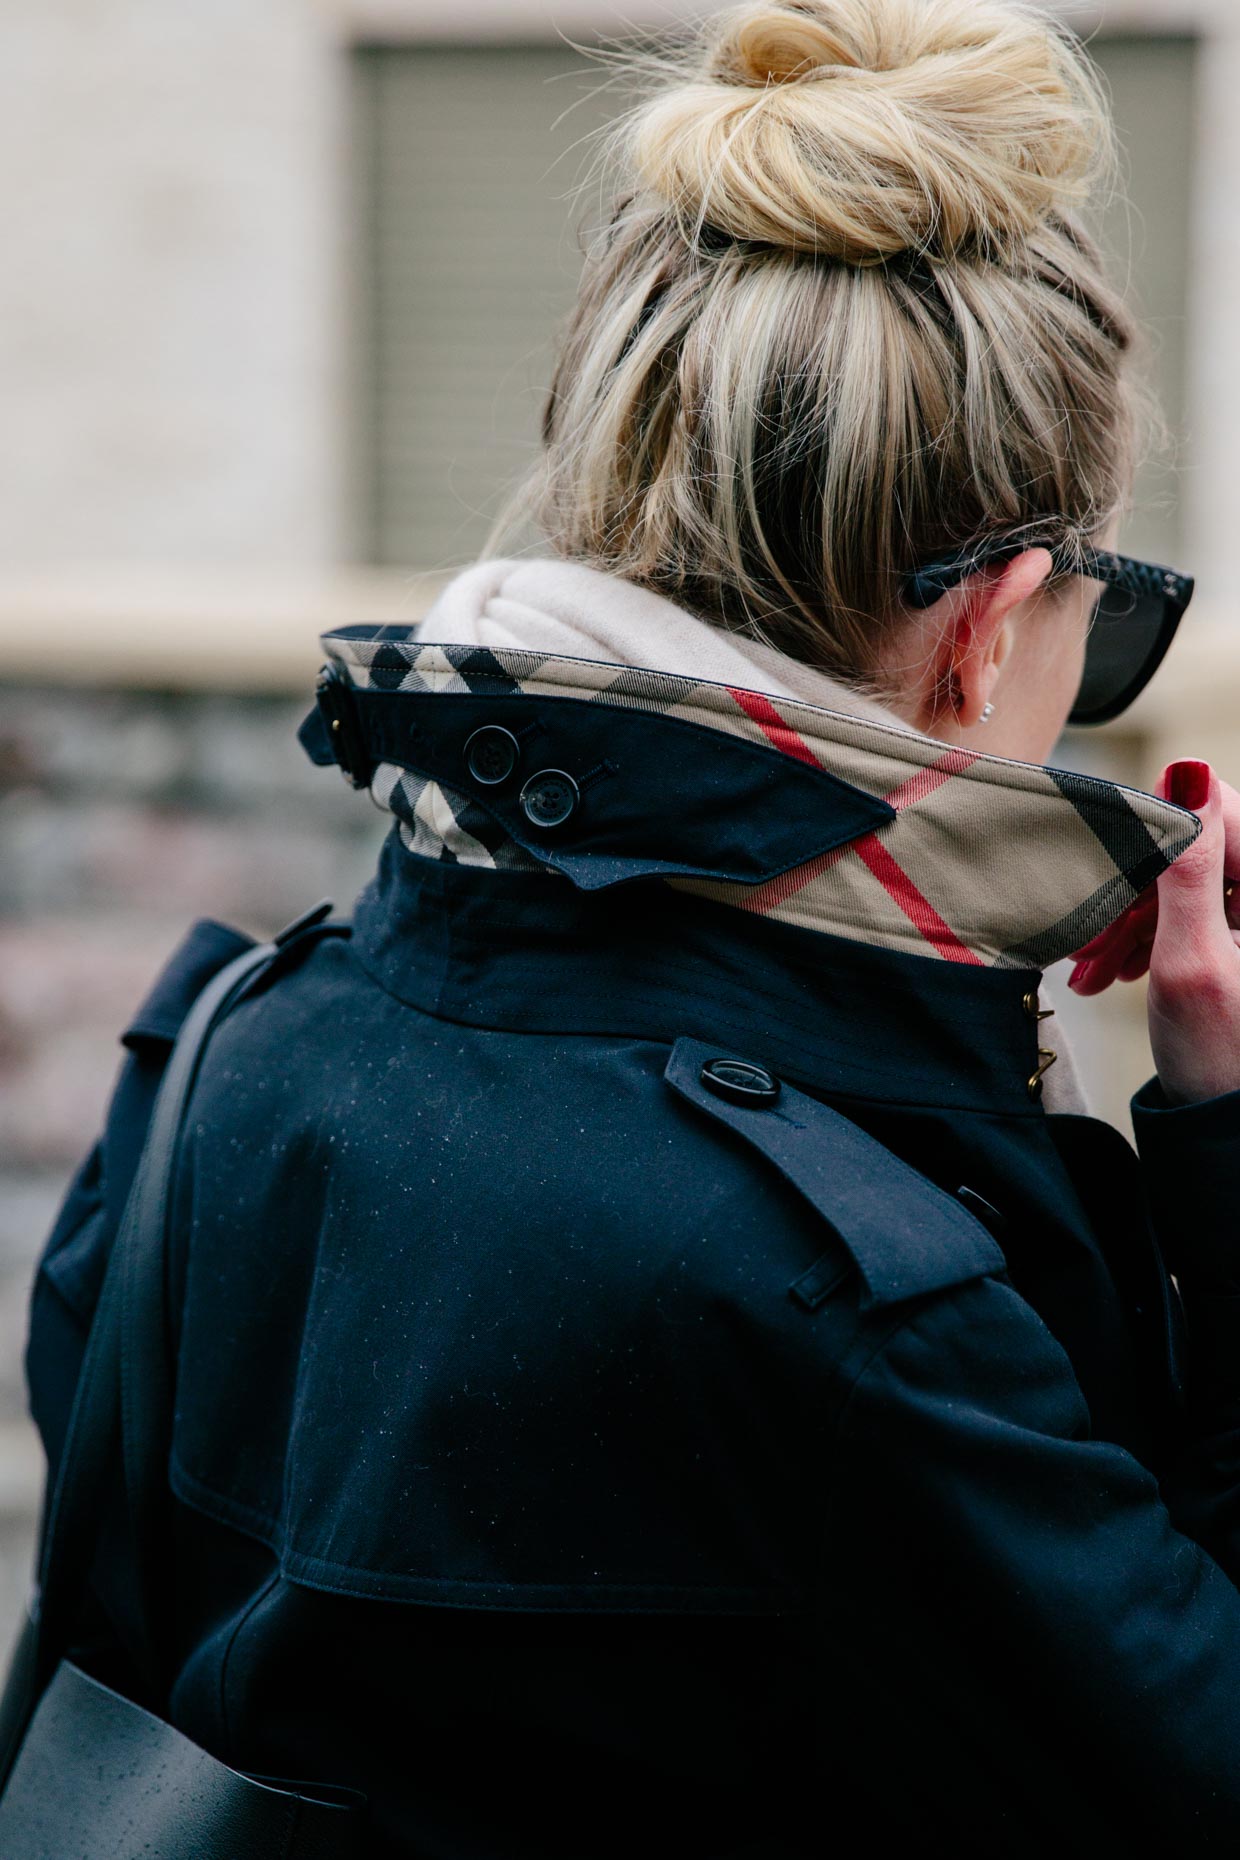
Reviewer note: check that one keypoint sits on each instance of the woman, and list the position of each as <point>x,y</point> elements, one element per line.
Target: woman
<point>665,1362</point>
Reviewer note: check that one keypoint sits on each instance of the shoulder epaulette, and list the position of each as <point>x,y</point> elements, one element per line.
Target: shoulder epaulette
<point>906,1235</point>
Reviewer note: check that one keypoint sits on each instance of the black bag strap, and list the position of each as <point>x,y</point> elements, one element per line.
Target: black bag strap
<point>124,1389</point>
<point>131,1304</point>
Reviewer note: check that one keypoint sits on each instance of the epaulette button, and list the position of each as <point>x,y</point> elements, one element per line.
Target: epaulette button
<point>740,1082</point>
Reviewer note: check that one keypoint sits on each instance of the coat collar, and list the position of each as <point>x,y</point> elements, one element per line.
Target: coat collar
<point>908,844</point>
<point>512,950</point>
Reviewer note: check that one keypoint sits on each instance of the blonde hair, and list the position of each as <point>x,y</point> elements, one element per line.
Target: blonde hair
<point>841,319</point>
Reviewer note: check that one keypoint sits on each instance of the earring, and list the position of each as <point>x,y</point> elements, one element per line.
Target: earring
<point>988,711</point>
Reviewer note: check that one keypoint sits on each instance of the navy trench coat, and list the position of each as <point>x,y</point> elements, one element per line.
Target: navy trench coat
<point>651,1375</point>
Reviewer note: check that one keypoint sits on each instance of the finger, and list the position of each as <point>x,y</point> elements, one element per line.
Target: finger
<point>1106,955</point>
<point>1143,906</point>
<point>1092,978</point>
<point>1191,935</point>
<point>1136,963</point>
<point>1229,801</point>
<point>1135,923</point>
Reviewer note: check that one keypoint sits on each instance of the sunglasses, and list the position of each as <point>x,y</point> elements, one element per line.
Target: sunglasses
<point>1134,619</point>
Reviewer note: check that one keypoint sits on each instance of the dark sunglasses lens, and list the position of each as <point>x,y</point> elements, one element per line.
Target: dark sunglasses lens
<point>1123,650</point>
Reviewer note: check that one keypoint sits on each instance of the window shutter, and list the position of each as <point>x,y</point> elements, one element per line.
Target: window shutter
<point>473,257</point>
<point>470,256</point>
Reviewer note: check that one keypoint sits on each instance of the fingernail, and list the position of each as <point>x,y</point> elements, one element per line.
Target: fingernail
<point>1188,784</point>
<point>1079,972</point>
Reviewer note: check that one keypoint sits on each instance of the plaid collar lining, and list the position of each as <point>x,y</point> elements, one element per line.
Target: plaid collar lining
<point>988,861</point>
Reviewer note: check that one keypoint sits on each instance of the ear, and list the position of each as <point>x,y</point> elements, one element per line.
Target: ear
<point>975,625</point>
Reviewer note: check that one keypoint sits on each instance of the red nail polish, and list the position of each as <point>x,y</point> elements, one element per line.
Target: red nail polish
<point>1188,784</point>
<point>1081,970</point>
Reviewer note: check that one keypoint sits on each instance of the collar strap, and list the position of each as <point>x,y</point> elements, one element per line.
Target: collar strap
<point>601,797</point>
<point>987,860</point>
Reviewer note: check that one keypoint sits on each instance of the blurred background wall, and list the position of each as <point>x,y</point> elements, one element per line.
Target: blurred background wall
<point>276,291</point>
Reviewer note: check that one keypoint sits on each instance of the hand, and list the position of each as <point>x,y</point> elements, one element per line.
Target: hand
<point>1183,930</point>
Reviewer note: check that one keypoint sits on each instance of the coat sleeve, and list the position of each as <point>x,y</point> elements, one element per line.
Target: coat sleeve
<point>970,1477</point>
<point>1190,1160</point>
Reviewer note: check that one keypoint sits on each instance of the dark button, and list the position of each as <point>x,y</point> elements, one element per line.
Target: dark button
<point>740,1082</point>
<point>549,798</point>
<point>491,754</point>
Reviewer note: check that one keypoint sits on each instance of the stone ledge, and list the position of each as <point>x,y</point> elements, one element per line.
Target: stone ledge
<point>185,629</point>
<point>189,629</point>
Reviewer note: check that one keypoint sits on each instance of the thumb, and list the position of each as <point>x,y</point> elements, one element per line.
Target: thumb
<point>1192,934</point>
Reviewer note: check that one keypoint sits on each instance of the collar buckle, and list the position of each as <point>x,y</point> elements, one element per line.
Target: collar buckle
<point>345,734</point>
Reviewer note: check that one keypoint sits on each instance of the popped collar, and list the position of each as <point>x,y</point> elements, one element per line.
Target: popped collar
<point>981,860</point>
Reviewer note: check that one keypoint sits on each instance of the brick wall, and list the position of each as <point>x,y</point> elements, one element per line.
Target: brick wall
<point>123,817</point>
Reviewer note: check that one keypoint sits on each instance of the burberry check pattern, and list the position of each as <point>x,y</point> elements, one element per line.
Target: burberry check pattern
<point>988,860</point>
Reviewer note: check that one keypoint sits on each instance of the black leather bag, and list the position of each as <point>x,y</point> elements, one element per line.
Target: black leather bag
<point>88,1774</point>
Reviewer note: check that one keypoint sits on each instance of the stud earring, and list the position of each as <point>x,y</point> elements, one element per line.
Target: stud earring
<point>988,711</point>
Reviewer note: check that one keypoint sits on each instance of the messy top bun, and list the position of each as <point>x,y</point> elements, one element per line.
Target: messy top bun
<point>859,130</point>
<point>841,318</point>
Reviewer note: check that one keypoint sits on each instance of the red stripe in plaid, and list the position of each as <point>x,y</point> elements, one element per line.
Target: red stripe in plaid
<point>890,875</point>
<point>761,711</point>
<point>786,884</point>
<point>926,780</point>
<point>914,903</point>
